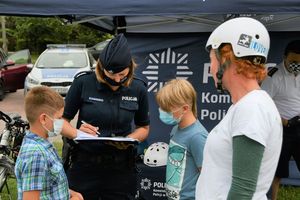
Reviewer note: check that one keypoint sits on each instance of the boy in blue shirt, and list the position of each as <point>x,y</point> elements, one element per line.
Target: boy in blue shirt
<point>177,102</point>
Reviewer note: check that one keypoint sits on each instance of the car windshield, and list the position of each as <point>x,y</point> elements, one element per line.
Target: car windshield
<point>63,60</point>
<point>101,45</point>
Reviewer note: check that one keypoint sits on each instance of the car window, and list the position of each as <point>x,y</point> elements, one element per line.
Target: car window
<point>101,45</point>
<point>62,60</point>
<point>20,57</point>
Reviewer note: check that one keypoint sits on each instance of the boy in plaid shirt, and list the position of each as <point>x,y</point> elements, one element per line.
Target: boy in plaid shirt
<point>39,170</point>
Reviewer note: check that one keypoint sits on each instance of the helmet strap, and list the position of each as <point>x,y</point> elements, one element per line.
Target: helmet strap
<point>219,83</point>
<point>220,73</point>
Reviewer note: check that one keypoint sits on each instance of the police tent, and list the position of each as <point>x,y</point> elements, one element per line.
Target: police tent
<point>167,38</point>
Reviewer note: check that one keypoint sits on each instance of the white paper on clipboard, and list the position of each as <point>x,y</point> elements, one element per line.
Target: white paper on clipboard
<point>82,136</point>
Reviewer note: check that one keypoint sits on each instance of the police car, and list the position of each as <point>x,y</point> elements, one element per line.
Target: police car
<point>57,66</point>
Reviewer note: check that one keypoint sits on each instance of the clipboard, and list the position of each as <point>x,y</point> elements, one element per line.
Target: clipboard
<point>83,137</point>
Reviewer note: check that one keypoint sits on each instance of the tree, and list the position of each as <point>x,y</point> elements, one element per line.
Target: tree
<point>36,32</point>
<point>3,30</point>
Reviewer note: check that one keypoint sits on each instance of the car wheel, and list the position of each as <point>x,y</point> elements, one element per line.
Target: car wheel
<point>1,91</point>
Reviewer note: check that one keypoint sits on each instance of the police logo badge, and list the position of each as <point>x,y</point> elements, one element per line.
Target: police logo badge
<point>145,184</point>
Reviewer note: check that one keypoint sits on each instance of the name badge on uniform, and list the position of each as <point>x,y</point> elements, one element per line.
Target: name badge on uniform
<point>96,99</point>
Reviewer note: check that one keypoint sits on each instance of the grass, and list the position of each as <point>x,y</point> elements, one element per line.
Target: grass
<point>285,193</point>
<point>289,193</point>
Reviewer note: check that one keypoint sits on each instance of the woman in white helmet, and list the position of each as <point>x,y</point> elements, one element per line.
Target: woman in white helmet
<point>242,151</point>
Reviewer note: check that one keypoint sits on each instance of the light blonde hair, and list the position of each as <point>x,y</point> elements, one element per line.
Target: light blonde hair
<point>42,99</point>
<point>100,72</point>
<point>176,93</point>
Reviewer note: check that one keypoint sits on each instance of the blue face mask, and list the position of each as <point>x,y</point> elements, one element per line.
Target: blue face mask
<point>168,118</point>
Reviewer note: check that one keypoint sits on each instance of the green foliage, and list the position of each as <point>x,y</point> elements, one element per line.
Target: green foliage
<point>34,57</point>
<point>35,33</point>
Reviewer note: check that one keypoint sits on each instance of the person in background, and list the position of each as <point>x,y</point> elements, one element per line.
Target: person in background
<point>283,85</point>
<point>39,170</point>
<point>177,101</point>
<point>241,153</point>
<point>109,100</point>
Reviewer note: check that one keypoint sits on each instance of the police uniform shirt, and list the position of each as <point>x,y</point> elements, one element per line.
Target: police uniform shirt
<point>112,111</point>
<point>284,88</point>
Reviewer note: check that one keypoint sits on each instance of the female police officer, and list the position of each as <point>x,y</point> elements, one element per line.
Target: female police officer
<point>109,99</point>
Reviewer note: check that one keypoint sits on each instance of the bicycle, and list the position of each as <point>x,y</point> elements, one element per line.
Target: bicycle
<point>11,138</point>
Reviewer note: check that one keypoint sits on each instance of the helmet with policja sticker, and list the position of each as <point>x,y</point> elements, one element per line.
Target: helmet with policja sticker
<point>156,154</point>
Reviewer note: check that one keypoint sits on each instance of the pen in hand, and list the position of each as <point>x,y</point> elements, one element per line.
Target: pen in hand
<point>97,132</point>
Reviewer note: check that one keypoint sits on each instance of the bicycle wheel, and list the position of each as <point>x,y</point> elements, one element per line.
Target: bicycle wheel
<point>3,176</point>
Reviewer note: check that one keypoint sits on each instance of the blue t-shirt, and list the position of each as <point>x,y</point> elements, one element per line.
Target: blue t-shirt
<point>185,156</point>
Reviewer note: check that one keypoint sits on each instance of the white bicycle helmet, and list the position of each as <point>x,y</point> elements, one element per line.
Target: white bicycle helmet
<point>156,154</point>
<point>247,36</point>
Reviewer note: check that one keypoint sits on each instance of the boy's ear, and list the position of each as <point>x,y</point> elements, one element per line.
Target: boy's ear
<point>186,107</point>
<point>42,118</point>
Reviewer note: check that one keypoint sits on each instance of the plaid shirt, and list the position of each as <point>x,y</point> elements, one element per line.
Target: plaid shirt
<point>38,167</point>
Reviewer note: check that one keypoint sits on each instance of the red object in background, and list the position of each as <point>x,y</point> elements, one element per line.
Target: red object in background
<point>13,70</point>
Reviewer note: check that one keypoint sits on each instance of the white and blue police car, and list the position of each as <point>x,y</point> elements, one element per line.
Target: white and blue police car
<point>57,66</point>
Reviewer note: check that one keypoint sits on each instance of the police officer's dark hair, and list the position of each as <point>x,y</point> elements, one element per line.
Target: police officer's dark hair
<point>100,72</point>
<point>292,47</point>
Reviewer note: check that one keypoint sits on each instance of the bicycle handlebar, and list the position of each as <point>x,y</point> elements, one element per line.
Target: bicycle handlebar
<point>14,121</point>
<point>5,117</point>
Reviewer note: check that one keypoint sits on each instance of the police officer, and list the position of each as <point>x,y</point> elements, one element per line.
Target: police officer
<point>108,100</point>
<point>283,85</point>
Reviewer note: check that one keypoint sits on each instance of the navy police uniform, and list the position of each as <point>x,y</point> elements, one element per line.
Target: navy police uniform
<point>103,170</point>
